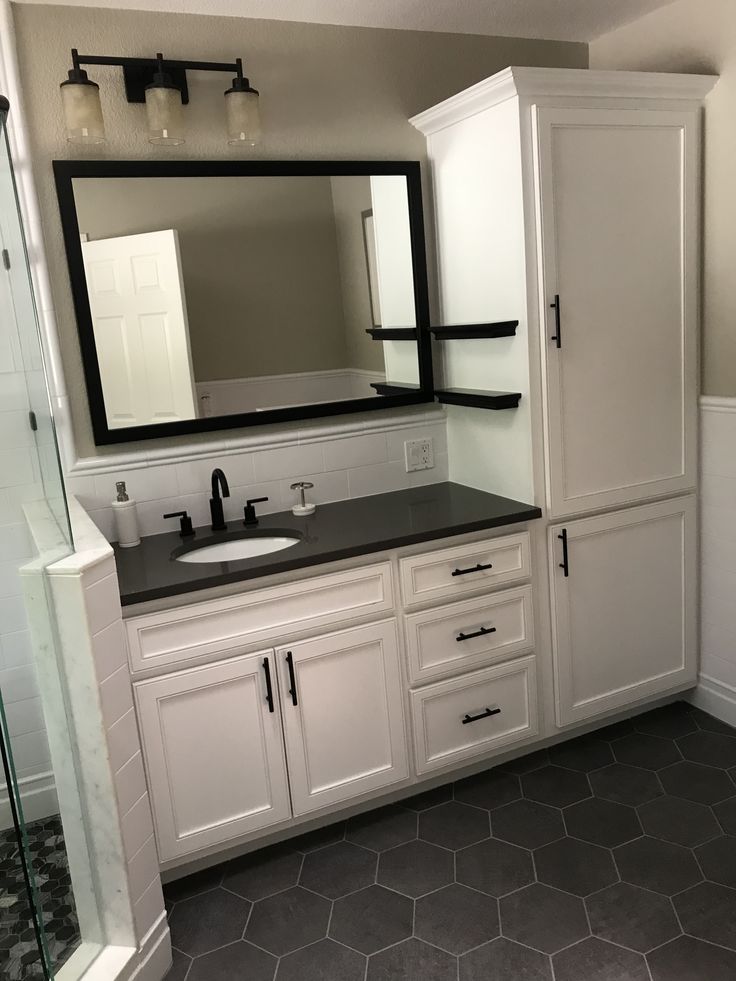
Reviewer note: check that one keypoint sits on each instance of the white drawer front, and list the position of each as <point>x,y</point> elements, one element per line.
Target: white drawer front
<point>262,616</point>
<point>442,735</point>
<point>455,572</point>
<point>441,642</point>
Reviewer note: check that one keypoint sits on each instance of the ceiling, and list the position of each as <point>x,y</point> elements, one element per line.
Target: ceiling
<point>564,20</point>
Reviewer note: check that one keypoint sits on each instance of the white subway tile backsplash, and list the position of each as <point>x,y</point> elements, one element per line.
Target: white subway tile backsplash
<point>122,740</point>
<point>356,451</point>
<point>130,783</point>
<point>16,648</point>
<point>143,868</point>
<point>9,579</point>
<point>144,484</point>
<point>18,684</point>
<point>289,461</point>
<point>12,614</point>
<point>332,486</point>
<point>233,505</point>
<point>195,477</point>
<point>396,438</point>
<point>30,750</point>
<point>102,600</point>
<point>103,518</point>
<point>116,696</point>
<point>14,430</point>
<point>25,716</point>
<point>437,474</point>
<point>19,467</point>
<point>108,648</point>
<point>15,542</point>
<point>137,826</point>
<point>377,479</point>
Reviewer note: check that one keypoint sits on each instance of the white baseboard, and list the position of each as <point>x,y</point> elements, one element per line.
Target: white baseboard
<point>151,962</point>
<point>154,953</point>
<point>715,698</point>
<point>38,798</point>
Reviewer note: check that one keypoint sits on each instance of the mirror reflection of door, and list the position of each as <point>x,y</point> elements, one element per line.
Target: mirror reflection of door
<point>141,329</point>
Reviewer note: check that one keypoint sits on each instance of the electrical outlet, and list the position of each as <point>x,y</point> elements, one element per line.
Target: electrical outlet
<point>419,454</point>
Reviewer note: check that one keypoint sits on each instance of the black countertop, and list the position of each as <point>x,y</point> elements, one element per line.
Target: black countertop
<point>335,531</point>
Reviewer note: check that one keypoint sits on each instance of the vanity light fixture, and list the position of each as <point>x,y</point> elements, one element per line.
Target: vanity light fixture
<point>162,84</point>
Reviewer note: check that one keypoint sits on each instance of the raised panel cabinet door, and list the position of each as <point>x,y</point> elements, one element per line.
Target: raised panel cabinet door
<point>343,709</point>
<point>618,225</point>
<point>213,748</point>
<point>624,596</point>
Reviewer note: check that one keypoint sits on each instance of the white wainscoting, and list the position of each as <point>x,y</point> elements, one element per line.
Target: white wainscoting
<point>232,395</point>
<point>716,691</point>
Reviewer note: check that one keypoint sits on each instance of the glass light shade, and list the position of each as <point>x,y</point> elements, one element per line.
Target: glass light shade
<point>165,116</point>
<point>243,117</point>
<point>82,112</point>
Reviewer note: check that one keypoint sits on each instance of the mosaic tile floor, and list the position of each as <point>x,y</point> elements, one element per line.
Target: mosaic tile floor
<point>611,857</point>
<point>19,957</point>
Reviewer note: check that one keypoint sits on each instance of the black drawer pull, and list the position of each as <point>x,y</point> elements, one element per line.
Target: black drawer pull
<point>292,678</point>
<point>483,715</point>
<point>476,568</point>
<point>476,633</point>
<point>269,688</point>
<point>557,336</point>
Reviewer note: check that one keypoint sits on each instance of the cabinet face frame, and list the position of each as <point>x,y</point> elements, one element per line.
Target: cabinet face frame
<point>561,587</point>
<point>544,117</point>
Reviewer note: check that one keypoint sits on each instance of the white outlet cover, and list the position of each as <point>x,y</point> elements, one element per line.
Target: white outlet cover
<point>418,454</point>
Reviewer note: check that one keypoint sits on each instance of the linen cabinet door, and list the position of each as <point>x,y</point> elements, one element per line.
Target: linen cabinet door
<point>623,607</point>
<point>617,224</point>
<point>213,748</point>
<point>342,698</point>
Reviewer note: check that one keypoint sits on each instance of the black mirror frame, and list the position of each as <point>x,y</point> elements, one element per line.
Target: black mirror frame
<point>66,170</point>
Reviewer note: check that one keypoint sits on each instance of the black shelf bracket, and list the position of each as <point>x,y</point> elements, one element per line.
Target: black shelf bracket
<point>393,388</point>
<point>478,399</point>
<point>502,328</point>
<point>392,333</point>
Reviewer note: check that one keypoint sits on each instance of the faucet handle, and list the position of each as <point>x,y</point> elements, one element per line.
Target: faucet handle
<point>185,524</point>
<point>250,517</point>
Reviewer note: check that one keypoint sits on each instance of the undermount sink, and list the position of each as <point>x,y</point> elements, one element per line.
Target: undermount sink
<point>238,548</point>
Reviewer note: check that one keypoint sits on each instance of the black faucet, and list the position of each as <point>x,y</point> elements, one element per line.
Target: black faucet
<point>219,482</point>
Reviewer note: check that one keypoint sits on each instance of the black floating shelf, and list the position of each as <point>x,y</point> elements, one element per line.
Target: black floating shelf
<point>393,388</point>
<point>503,328</point>
<point>393,333</point>
<point>478,399</point>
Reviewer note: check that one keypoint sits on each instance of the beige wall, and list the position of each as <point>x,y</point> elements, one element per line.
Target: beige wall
<point>327,92</point>
<point>699,36</point>
<point>259,260</point>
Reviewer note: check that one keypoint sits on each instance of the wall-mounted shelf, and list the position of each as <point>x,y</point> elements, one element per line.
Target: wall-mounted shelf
<point>478,399</point>
<point>393,388</point>
<point>393,333</point>
<point>503,328</point>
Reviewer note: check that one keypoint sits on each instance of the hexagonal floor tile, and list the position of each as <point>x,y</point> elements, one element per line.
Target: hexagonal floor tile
<point>208,921</point>
<point>372,919</point>
<point>692,781</point>
<point>416,868</point>
<point>680,821</point>
<point>708,912</point>
<point>647,752</point>
<point>384,828</point>
<point>688,959</point>
<point>527,824</point>
<point>454,825</point>
<point>632,917</point>
<point>456,919</point>
<point>505,960</point>
<point>575,866</point>
<point>543,918</point>
<point>556,786</point>
<point>490,789</point>
<point>625,784</point>
<point>597,960</point>
<point>412,960</point>
<point>429,798</point>
<point>709,748</point>
<point>494,867</point>
<point>288,920</point>
<point>657,865</point>
<point>602,822</point>
<point>525,764</point>
<point>726,814</point>
<point>585,753</point>
<point>338,869</point>
<point>263,873</point>
<point>181,964</point>
<point>324,959</point>
<point>238,960</point>
<point>709,723</point>
<point>669,721</point>
<point>195,884</point>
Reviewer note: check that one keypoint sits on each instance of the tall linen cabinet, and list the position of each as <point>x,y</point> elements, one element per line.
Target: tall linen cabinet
<point>570,201</point>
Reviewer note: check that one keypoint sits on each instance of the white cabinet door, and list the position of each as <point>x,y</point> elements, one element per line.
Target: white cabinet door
<point>214,753</point>
<point>624,616</point>
<point>342,704</point>
<point>618,217</point>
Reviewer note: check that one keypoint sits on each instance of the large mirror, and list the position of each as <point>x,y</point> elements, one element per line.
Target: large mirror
<point>213,295</point>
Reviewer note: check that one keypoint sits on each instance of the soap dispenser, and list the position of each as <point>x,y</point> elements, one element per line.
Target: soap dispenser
<point>303,508</point>
<point>126,517</point>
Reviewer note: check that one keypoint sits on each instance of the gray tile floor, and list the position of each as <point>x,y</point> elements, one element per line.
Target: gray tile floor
<point>611,857</point>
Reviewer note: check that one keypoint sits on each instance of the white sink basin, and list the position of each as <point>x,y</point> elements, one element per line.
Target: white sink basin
<point>238,548</point>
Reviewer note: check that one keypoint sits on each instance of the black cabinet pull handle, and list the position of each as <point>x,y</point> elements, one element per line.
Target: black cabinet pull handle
<point>269,687</point>
<point>476,633</point>
<point>476,568</point>
<point>292,678</point>
<point>557,336</point>
<point>565,564</point>
<point>482,715</point>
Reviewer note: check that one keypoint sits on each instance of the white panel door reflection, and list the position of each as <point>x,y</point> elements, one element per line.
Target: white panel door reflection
<point>139,316</point>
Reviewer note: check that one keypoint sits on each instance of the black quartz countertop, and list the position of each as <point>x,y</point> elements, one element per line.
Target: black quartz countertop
<point>335,531</point>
